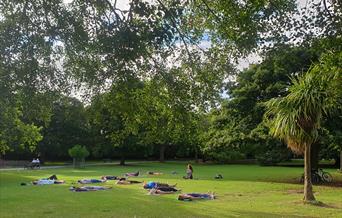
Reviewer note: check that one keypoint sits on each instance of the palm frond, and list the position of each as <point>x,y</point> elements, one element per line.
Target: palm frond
<point>296,117</point>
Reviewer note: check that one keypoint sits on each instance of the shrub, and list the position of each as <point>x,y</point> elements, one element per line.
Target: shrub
<point>272,155</point>
<point>225,156</point>
<point>78,152</point>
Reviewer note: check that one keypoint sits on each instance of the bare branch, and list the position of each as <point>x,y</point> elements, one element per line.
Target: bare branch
<point>114,9</point>
<point>218,19</point>
<point>177,29</point>
<point>326,8</point>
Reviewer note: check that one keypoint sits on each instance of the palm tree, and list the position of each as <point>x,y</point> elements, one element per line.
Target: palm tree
<point>296,117</point>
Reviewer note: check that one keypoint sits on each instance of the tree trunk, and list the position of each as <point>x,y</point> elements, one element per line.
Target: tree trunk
<point>162,153</point>
<point>308,192</point>
<point>341,160</point>
<point>315,147</point>
<point>196,155</point>
<point>122,160</point>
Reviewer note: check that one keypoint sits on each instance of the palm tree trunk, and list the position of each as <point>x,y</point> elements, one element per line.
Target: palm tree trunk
<point>308,192</point>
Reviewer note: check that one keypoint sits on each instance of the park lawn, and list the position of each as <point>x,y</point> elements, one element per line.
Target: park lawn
<point>245,191</point>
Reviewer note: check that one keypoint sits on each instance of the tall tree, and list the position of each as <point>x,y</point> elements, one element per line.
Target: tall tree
<point>67,128</point>
<point>237,126</point>
<point>28,52</point>
<point>296,117</point>
<point>164,116</point>
<point>115,115</point>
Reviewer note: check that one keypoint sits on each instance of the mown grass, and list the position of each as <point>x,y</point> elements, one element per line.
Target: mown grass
<point>245,191</point>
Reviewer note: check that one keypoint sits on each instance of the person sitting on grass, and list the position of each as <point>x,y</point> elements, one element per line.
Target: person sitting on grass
<point>218,176</point>
<point>189,172</point>
<point>89,181</point>
<point>88,188</point>
<point>109,177</point>
<point>195,196</point>
<point>162,190</point>
<point>151,185</point>
<point>154,173</point>
<point>132,174</point>
<point>124,181</point>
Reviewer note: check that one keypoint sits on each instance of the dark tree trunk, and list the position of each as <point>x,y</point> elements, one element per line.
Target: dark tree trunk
<point>315,155</point>
<point>341,160</point>
<point>122,160</point>
<point>196,155</point>
<point>337,163</point>
<point>162,153</point>
<point>308,192</point>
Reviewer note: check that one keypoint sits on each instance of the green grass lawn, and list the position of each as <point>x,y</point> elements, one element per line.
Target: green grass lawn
<point>245,191</point>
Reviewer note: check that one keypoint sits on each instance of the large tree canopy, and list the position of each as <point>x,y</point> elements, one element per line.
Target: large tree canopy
<point>237,127</point>
<point>28,70</point>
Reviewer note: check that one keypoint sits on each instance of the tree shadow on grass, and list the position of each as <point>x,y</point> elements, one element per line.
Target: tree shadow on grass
<point>335,183</point>
<point>264,214</point>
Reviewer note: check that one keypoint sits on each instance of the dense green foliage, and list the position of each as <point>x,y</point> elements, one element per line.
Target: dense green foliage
<point>28,69</point>
<point>68,126</point>
<point>78,151</point>
<point>237,127</point>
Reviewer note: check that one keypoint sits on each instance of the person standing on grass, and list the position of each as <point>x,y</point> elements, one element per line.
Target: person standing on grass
<point>189,172</point>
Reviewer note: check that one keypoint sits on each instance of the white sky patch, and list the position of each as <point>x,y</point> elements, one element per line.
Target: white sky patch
<point>244,63</point>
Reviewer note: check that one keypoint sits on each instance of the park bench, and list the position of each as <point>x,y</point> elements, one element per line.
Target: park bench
<point>32,166</point>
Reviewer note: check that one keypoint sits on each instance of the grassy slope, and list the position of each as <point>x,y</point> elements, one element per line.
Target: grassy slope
<point>245,191</point>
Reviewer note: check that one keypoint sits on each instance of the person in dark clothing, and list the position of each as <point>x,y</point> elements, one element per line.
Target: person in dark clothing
<point>88,188</point>
<point>162,190</point>
<point>195,196</point>
<point>109,177</point>
<point>132,174</point>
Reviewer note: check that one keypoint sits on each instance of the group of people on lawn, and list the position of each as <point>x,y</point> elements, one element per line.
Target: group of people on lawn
<point>155,188</point>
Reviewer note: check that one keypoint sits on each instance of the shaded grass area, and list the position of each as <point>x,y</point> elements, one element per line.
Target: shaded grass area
<point>300,162</point>
<point>245,191</point>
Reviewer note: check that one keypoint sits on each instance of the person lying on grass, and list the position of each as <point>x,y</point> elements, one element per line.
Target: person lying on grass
<point>195,196</point>
<point>46,181</point>
<point>88,188</point>
<point>162,190</point>
<point>89,181</point>
<point>124,181</point>
<point>151,185</point>
<point>154,173</point>
<point>132,174</point>
<point>109,178</point>
<point>112,178</point>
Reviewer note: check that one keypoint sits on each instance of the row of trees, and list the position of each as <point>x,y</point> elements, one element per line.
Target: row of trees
<point>144,118</point>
